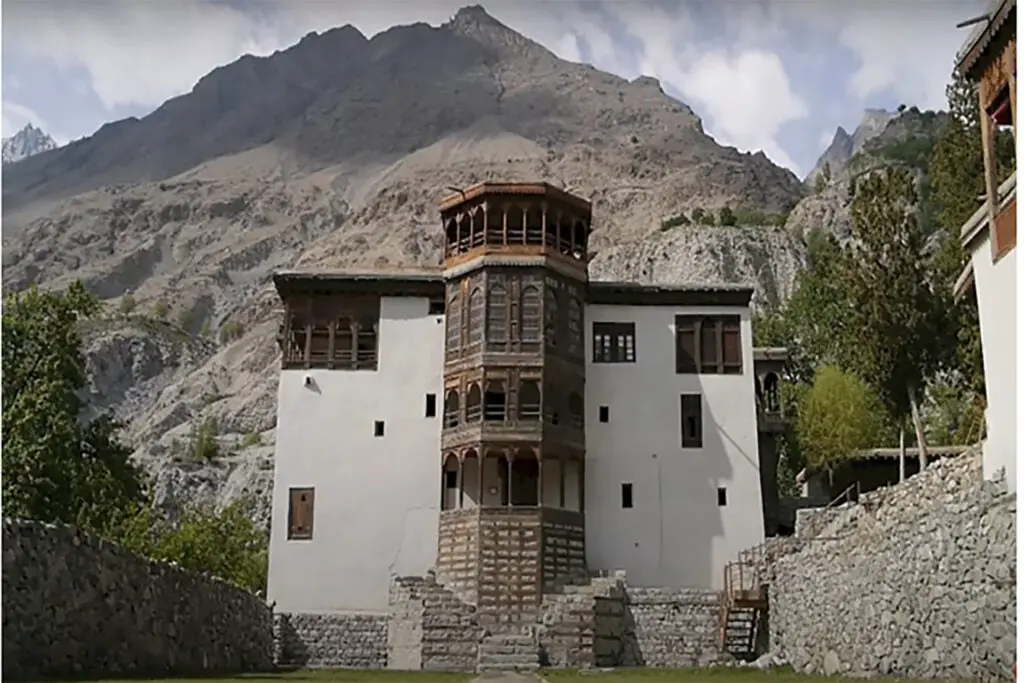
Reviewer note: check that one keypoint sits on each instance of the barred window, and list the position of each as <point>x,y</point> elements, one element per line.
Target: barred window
<point>497,311</point>
<point>614,343</point>
<point>529,309</point>
<point>476,317</point>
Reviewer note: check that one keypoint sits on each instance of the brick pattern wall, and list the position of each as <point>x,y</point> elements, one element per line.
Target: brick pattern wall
<point>510,571</point>
<point>674,628</point>
<point>458,551</point>
<point>564,550</point>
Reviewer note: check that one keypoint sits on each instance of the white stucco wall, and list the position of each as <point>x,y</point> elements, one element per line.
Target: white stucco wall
<point>675,534</point>
<point>376,498</point>
<point>996,288</point>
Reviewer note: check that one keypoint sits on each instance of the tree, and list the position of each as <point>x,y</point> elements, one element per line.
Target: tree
<point>891,304</point>
<point>837,416</point>
<point>225,544</point>
<point>726,216</point>
<point>698,215</point>
<point>956,178</point>
<point>57,466</point>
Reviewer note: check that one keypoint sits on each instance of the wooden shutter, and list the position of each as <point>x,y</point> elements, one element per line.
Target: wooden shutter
<point>732,350</point>
<point>686,346</point>
<point>1004,236</point>
<point>710,329</point>
<point>300,513</point>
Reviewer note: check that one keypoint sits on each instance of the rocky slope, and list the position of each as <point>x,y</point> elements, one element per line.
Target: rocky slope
<point>882,139</point>
<point>334,153</point>
<point>27,142</point>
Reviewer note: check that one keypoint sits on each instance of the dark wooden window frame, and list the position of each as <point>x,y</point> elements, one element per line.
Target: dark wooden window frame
<point>709,345</point>
<point>332,333</point>
<point>300,513</point>
<point>614,342</point>
<point>691,408</point>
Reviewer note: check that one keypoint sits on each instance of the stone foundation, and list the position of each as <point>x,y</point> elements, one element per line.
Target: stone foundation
<point>674,628</point>
<point>357,641</point>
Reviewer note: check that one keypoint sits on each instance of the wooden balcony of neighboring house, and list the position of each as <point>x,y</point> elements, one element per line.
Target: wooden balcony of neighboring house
<point>744,604</point>
<point>769,363</point>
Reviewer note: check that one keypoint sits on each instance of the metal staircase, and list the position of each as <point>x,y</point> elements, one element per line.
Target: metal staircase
<point>744,605</point>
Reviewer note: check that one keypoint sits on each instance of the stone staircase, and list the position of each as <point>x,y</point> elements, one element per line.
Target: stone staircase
<point>508,651</point>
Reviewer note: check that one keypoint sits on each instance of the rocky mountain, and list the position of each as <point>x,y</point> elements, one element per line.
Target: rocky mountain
<point>882,139</point>
<point>334,154</point>
<point>27,142</point>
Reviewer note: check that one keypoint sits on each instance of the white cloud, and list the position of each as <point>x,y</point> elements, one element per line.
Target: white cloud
<point>16,116</point>
<point>745,93</point>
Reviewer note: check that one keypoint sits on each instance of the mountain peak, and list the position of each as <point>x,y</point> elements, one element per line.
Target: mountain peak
<point>474,22</point>
<point>25,143</point>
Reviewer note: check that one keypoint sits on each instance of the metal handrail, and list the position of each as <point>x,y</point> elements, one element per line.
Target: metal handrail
<point>845,495</point>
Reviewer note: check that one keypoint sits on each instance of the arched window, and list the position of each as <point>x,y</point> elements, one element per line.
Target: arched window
<point>494,401</point>
<point>451,242</point>
<point>476,317</point>
<point>451,409</point>
<point>453,324</point>
<point>575,319</point>
<point>551,317</point>
<point>529,309</point>
<point>473,403</point>
<point>529,401</point>
<point>575,409</point>
<point>497,312</point>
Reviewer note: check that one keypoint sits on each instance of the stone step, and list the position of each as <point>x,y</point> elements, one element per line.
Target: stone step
<point>508,667</point>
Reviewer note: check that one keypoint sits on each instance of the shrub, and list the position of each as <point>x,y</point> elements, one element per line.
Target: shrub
<point>230,331</point>
<point>127,304</point>
<point>202,442</point>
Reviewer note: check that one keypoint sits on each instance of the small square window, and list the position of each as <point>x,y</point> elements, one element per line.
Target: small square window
<point>721,497</point>
<point>378,428</point>
<point>436,307</point>
<point>602,413</point>
<point>431,410</point>
<point>627,496</point>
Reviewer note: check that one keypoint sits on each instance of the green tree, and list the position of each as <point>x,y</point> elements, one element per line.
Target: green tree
<point>726,216</point>
<point>225,544</point>
<point>838,415</point>
<point>160,310</point>
<point>127,304</point>
<point>202,442</point>
<point>891,305</point>
<point>697,216</point>
<point>57,465</point>
<point>956,177</point>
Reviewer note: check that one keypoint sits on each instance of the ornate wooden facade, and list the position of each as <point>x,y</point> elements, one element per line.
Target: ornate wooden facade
<point>990,60</point>
<point>513,412</point>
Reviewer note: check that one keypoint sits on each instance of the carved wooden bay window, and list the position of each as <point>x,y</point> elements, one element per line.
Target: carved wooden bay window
<point>453,324</point>
<point>708,345</point>
<point>475,336</point>
<point>530,314</point>
<point>497,314</point>
<point>333,332</point>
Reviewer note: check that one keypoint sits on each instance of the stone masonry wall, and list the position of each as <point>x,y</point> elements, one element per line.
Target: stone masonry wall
<point>430,628</point>
<point>674,628</point>
<point>336,640</point>
<point>916,581</point>
<point>76,606</point>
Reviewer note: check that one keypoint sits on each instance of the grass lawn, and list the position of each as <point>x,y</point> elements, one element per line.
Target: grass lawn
<point>320,676</point>
<point>718,675</point>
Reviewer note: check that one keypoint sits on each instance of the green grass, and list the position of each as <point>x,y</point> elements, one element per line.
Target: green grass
<point>717,675</point>
<point>320,676</point>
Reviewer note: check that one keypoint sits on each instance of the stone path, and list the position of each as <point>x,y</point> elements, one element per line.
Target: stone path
<point>505,677</point>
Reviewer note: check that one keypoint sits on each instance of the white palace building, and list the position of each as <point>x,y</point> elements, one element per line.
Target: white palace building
<point>509,424</point>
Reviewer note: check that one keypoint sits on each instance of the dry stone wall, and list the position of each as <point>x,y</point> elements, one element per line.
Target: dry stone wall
<point>674,628</point>
<point>916,581</point>
<point>337,640</point>
<point>76,606</point>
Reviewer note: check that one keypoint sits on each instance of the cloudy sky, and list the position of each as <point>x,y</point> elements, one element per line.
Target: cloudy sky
<point>772,75</point>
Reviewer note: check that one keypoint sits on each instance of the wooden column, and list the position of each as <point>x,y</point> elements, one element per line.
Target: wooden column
<point>561,481</point>
<point>508,480</point>
<point>991,188</point>
<point>540,479</point>
<point>504,225</point>
<point>583,484</point>
<point>330,343</point>
<point>462,487</point>
<point>480,479</point>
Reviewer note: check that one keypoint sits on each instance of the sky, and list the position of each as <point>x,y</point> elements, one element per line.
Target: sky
<point>772,75</point>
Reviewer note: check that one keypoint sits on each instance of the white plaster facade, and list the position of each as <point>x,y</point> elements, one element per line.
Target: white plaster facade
<point>995,285</point>
<point>376,498</point>
<point>675,534</point>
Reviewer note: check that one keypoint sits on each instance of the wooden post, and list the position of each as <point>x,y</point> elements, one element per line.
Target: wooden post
<point>903,453</point>
<point>508,481</point>
<point>987,139</point>
<point>462,487</point>
<point>540,480</point>
<point>561,481</point>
